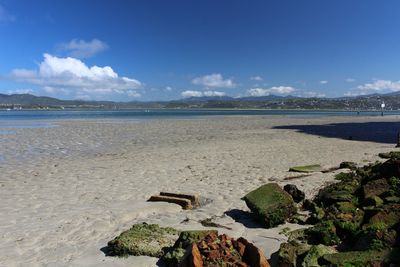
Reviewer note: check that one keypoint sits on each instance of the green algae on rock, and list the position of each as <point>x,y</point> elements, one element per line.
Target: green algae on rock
<point>143,239</point>
<point>270,204</point>
<point>306,168</point>
<point>390,155</point>
<point>359,215</point>
<point>186,238</point>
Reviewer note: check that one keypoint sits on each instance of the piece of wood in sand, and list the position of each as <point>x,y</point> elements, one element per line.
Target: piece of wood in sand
<point>183,202</point>
<point>194,199</point>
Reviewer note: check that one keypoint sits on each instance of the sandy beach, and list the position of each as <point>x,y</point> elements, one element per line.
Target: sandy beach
<point>69,189</point>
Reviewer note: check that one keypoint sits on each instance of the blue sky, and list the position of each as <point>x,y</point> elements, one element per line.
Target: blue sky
<point>162,50</point>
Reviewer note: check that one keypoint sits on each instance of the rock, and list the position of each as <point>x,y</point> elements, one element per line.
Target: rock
<point>287,255</point>
<point>192,258</point>
<point>186,238</point>
<point>270,204</point>
<point>289,252</point>
<point>390,168</point>
<point>375,188</point>
<point>348,165</point>
<point>347,223</point>
<point>143,239</point>
<point>374,201</point>
<point>356,258</point>
<point>296,194</point>
<point>306,168</point>
<point>315,252</point>
<point>392,199</point>
<point>375,239</point>
<point>346,207</point>
<point>224,251</point>
<point>389,215</point>
<point>390,155</point>
<point>254,257</point>
<point>323,233</point>
<point>343,191</point>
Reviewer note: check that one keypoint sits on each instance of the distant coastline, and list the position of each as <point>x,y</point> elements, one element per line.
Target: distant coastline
<point>272,102</point>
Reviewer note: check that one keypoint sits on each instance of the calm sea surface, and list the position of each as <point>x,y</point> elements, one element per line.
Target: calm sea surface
<point>141,114</point>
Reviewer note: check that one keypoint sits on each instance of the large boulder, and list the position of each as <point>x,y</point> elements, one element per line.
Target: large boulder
<point>143,239</point>
<point>270,204</point>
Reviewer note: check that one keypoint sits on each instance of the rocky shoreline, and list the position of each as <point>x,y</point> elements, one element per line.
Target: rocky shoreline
<point>352,222</point>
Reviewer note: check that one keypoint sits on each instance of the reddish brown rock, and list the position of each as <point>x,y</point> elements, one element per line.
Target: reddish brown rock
<point>254,256</point>
<point>215,250</point>
<point>192,257</point>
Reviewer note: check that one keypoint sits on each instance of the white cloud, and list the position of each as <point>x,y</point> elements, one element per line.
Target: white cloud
<point>5,16</point>
<point>350,80</point>
<point>272,90</point>
<point>21,91</point>
<point>214,80</point>
<point>168,88</point>
<point>354,93</point>
<point>214,93</point>
<point>323,82</point>
<point>190,93</point>
<point>82,49</point>
<point>133,93</point>
<point>310,94</point>
<point>256,78</point>
<point>380,85</point>
<point>74,75</point>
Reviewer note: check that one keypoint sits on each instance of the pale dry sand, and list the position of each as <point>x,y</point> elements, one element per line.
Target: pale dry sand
<point>67,190</point>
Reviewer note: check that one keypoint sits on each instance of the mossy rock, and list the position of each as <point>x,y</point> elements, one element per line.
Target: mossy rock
<point>143,239</point>
<point>390,155</point>
<point>290,253</point>
<point>348,165</point>
<point>323,233</point>
<point>392,199</point>
<point>316,252</point>
<point>346,206</point>
<point>389,214</point>
<point>344,176</point>
<point>375,239</point>
<point>270,204</point>
<point>373,201</point>
<point>375,188</point>
<point>348,224</point>
<point>356,258</point>
<point>343,191</point>
<point>389,169</point>
<point>306,168</point>
<point>186,238</point>
<point>394,183</point>
<point>297,235</point>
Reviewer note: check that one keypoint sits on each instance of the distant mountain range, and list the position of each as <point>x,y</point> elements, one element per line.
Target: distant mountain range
<point>367,102</point>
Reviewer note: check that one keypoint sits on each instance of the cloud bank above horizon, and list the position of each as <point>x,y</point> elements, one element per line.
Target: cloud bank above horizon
<point>71,76</point>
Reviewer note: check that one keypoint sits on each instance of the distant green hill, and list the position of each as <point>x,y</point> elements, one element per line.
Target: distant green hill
<point>370,102</point>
